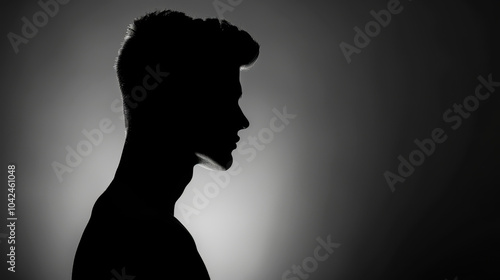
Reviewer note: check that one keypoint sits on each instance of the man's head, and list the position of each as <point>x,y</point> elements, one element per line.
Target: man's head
<point>179,79</point>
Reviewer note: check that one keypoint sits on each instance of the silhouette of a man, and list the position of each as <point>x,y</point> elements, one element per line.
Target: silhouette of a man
<point>179,79</point>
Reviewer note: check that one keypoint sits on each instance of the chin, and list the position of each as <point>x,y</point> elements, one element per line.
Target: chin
<point>215,163</point>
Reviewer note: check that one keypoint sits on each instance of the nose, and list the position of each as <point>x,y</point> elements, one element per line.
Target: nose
<point>244,123</point>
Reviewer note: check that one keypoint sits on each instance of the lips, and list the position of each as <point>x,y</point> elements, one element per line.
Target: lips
<point>235,141</point>
<point>228,141</point>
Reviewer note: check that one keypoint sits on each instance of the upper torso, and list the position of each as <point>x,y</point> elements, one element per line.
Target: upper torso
<point>118,242</point>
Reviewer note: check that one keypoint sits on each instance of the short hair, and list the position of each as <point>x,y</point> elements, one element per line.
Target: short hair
<point>180,44</point>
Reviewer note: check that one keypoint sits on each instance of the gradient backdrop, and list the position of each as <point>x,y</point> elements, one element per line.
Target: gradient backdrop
<point>322,175</point>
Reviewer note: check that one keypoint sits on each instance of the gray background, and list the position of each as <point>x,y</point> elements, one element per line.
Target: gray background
<point>322,175</point>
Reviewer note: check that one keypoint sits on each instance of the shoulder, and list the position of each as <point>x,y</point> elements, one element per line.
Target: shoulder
<point>160,248</point>
<point>145,245</point>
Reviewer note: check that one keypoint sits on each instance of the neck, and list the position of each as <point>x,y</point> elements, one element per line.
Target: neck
<point>152,176</point>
